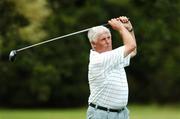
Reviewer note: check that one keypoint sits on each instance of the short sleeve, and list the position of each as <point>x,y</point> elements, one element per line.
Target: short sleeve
<point>110,59</point>
<point>115,58</point>
<point>126,61</point>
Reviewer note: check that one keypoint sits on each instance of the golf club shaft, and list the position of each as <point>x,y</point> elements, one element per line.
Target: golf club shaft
<point>53,39</point>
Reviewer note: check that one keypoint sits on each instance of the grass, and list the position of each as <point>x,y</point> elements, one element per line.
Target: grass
<point>136,112</point>
<point>154,112</point>
<point>43,114</point>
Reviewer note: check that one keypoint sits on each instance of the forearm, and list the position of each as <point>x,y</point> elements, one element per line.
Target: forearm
<point>134,52</point>
<point>128,41</point>
<point>119,24</point>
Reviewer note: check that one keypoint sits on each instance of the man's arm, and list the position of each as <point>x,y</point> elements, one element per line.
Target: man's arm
<point>127,24</point>
<point>134,52</point>
<point>128,40</point>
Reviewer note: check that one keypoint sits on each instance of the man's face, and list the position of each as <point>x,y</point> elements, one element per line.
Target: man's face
<point>103,42</point>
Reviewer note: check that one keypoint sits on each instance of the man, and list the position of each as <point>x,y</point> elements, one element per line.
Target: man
<point>107,78</point>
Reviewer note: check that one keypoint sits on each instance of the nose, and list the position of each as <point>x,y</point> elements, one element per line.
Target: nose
<point>107,40</point>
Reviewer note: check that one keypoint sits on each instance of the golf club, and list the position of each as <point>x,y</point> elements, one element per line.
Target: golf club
<point>13,53</point>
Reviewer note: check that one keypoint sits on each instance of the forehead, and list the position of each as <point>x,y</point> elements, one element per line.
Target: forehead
<point>104,34</point>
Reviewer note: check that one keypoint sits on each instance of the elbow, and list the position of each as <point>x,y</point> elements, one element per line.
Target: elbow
<point>134,51</point>
<point>132,47</point>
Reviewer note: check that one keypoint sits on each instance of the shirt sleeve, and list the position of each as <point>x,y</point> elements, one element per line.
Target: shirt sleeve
<point>115,57</point>
<point>126,61</point>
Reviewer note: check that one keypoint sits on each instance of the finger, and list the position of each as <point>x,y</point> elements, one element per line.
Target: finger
<point>112,21</point>
<point>124,19</point>
<point>117,19</point>
<point>121,18</point>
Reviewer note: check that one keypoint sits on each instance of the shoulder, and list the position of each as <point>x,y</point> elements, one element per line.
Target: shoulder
<point>94,57</point>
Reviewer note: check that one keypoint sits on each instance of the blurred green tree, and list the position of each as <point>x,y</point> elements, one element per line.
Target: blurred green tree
<point>21,83</point>
<point>157,26</point>
<point>56,74</point>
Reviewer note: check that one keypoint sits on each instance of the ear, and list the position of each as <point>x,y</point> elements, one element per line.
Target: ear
<point>93,44</point>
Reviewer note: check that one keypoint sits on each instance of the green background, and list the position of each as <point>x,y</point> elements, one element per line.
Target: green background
<point>55,74</point>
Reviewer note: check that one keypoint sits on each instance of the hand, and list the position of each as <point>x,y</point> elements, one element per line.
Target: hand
<point>116,24</point>
<point>127,24</point>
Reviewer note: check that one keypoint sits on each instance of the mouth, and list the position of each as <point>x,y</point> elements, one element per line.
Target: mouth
<point>108,46</point>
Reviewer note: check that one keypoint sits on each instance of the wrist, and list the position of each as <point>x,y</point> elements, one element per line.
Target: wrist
<point>122,30</point>
<point>130,30</point>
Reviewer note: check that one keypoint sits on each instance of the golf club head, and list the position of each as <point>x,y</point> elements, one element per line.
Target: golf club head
<point>12,55</point>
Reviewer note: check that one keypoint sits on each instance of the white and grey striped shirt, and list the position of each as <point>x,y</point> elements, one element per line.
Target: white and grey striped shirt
<point>107,78</point>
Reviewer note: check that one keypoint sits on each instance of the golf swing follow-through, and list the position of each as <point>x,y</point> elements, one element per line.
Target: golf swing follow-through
<point>13,53</point>
<point>107,78</point>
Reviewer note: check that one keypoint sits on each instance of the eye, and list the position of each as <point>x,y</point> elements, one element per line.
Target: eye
<point>103,39</point>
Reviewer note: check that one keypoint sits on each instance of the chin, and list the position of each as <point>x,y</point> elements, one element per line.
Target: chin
<point>109,48</point>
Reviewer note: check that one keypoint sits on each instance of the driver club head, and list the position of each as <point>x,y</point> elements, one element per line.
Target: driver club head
<point>12,55</point>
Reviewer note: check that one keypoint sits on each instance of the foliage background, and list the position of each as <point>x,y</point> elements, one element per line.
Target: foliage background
<point>55,74</point>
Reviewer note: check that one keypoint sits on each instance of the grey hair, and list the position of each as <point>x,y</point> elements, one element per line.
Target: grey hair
<point>95,31</point>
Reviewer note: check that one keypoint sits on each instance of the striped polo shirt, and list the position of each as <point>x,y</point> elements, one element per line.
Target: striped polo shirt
<point>107,78</point>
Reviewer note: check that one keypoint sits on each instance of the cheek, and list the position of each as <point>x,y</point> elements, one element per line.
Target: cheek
<point>98,44</point>
<point>109,41</point>
<point>101,44</point>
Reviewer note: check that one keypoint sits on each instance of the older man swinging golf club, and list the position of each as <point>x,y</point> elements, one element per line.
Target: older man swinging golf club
<point>107,77</point>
